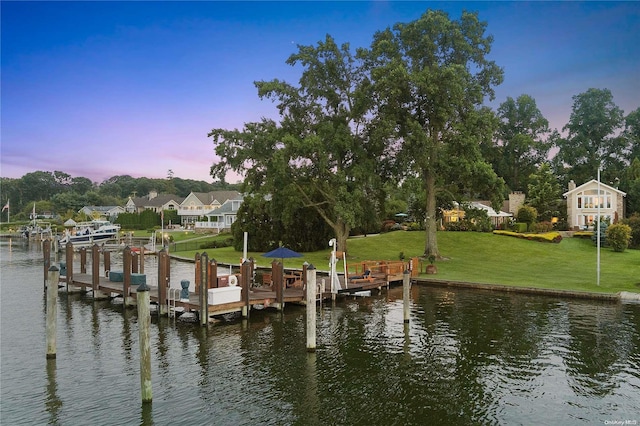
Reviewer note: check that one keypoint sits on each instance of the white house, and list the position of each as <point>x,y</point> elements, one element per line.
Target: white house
<point>199,204</point>
<point>584,201</point>
<point>221,218</point>
<point>154,202</point>
<point>102,212</point>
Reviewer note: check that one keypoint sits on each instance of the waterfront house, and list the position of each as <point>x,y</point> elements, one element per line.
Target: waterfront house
<point>198,204</point>
<point>221,218</point>
<point>584,202</point>
<point>154,201</point>
<point>109,213</point>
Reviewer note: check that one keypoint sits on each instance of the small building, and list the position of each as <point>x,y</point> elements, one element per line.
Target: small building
<point>584,202</point>
<point>457,214</point>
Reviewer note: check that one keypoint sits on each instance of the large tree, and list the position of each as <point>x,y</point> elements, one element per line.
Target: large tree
<point>324,152</point>
<point>632,135</point>
<point>593,138</point>
<point>521,144</point>
<point>431,77</point>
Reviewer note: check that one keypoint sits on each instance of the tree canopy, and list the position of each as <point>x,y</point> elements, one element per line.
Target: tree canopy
<point>431,77</point>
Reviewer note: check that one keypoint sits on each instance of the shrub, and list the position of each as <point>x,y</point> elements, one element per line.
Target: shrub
<point>603,233</point>
<point>527,214</point>
<point>520,227</point>
<point>542,227</point>
<point>547,237</point>
<point>634,223</point>
<point>618,236</point>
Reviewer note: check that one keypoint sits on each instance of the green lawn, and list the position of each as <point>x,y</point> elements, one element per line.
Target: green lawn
<point>486,258</point>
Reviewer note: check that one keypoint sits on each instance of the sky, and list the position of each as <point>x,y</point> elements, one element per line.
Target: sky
<point>99,89</point>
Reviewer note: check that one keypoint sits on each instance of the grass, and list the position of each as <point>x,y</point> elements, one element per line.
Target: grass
<point>485,258</point>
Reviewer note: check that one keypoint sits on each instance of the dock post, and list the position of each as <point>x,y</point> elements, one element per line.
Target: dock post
<point>95,273</point>
<point>245,277</point>
<point>212,272</point>
<point>204,285</point>
<point>163,259</point>
<point>134,262</point>
<point>277,275</point>
<point>126,277</point>
<point>107,263</point>
<point>142,260</point>
<point>196,281</point>
<point>310,279</point>
<point>83,260</point>
<point>144,323</point>
<point>52,310</point>
<point>68,254</point>
<point>46,251</point>
<point>406,288</point>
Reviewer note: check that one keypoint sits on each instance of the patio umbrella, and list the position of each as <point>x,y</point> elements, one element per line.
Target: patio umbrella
<point>282,253</point>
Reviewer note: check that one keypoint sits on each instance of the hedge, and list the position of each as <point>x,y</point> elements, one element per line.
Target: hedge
<point>547,237</point>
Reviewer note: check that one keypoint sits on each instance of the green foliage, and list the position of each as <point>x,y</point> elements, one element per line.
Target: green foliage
<point>520,227</point>
<point>618,236</point>
<point>544,192</point>
<point>148,219</point>
<point>603,233</point>
<point>430,77</point>
<point>528,215</point>
<point>520,144</point>
<point>634,224</point>
<point>592,138</point>
<point>302,231</point>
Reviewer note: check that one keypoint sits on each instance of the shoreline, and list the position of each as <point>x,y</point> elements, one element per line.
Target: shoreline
<point>621,296</point>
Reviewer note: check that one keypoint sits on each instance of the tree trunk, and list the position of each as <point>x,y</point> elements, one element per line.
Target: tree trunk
<point>431,243</point>
<point>341,230</point>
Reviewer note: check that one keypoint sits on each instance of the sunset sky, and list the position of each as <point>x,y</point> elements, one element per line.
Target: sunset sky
<point>99,89</point>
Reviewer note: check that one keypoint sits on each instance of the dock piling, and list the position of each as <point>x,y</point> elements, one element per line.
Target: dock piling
<point>406,288</point>
<point>311,308</point>
<point>52,310</point>
<point>245,277</point>
<point>144,323</point>
<point>204,285</point>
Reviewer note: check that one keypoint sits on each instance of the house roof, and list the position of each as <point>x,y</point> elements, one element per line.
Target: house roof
<point>207,198</point>
<point>490,211</point>
<point>594,181</point>
<point>226,208</point>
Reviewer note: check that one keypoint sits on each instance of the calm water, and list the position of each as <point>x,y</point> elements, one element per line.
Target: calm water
<point>468,357</point>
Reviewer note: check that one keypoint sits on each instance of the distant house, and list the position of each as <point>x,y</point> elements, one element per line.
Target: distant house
<point>198,204</point>
<point>457,214</point>
<point>154,201</point>
<point>102,212</point>
<point>583,203</point>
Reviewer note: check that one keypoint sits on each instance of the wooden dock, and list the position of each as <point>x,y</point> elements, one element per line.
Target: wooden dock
<point>276,289</point>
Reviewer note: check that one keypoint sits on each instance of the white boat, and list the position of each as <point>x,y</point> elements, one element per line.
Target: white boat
<point>86,234</point>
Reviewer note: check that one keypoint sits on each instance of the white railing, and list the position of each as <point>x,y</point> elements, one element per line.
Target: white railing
<point>210,225</point>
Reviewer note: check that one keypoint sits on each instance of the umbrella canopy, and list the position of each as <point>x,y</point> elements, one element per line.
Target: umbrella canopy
<point>282,253</point>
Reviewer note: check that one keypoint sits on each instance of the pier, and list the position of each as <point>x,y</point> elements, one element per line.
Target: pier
<point>213,293</point>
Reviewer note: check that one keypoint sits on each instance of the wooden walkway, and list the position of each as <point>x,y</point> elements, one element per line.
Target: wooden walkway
<point>258,296</point>
<point>220,298</point>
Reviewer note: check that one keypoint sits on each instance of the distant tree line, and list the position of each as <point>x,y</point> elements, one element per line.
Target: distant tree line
<point>61,194</point>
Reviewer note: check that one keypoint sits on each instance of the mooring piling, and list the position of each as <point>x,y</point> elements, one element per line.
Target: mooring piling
<point>52,310</point>
<point>406,289</point>
<point>144,323</point>
<point>311,307</point>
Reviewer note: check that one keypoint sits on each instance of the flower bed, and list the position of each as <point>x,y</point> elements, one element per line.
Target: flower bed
<point>545,237</point>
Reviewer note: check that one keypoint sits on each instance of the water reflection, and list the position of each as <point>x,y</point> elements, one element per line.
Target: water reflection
<point>53,402</point>
<point>465,357</point>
